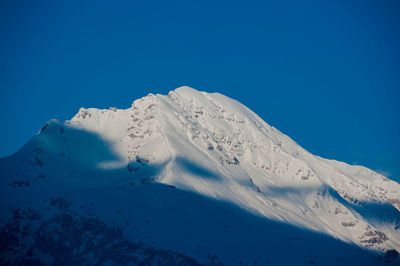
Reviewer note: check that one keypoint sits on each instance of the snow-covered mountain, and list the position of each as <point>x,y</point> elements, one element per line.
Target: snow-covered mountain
<point>188,178</point>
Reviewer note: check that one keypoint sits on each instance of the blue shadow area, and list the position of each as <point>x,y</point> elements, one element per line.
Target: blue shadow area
<point>195,168</point>
<point>200,226</point>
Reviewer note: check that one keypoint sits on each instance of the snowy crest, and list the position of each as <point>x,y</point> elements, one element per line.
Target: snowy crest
<point>212,145</point>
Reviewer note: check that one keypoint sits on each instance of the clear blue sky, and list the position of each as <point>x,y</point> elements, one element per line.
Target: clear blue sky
<point>326,74</point>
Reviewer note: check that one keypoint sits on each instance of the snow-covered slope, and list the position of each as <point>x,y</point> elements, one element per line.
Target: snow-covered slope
<point>199,165</point>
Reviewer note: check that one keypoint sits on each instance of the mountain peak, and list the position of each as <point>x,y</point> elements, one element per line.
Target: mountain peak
<point>210,145</point>
<point>186,90</point>
<point>187,93</point>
